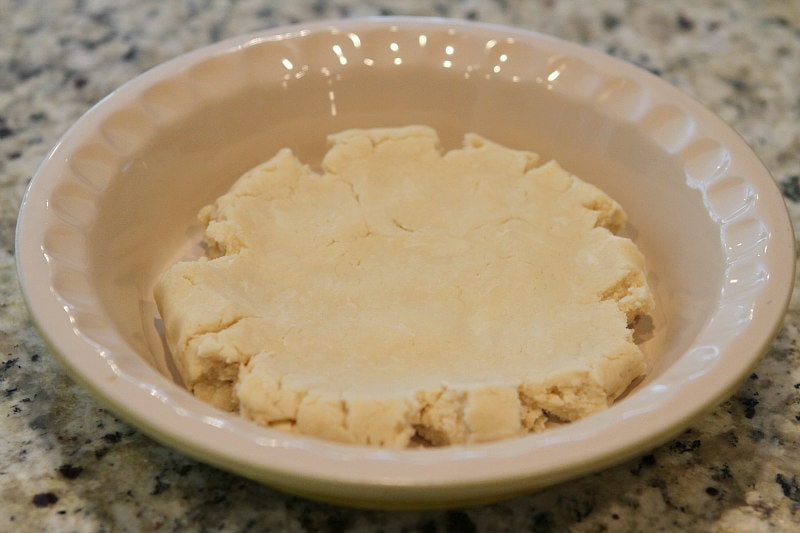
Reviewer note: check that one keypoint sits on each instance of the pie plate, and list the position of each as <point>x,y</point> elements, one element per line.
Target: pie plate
<point>114,204</point>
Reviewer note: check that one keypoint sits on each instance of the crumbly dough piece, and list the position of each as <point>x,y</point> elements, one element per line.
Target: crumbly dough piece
<point>409,294</point>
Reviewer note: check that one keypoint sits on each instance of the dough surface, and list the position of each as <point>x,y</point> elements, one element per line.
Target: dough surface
<point>409,295</point>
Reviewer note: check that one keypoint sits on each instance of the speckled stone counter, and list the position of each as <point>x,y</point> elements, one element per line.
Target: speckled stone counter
<point>66,464</point>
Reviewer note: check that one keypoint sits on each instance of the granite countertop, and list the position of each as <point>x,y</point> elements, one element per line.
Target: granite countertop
<point>67,464</point>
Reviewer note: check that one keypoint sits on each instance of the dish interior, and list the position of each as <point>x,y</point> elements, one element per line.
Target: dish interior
<point>187,139</point>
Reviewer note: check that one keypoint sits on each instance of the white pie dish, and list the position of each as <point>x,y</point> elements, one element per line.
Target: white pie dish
<point>114,203</point>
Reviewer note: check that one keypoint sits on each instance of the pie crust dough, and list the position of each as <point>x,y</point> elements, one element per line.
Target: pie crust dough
<point>409,295</point>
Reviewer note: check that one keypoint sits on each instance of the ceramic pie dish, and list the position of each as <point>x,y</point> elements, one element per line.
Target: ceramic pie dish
<point>115,201</point>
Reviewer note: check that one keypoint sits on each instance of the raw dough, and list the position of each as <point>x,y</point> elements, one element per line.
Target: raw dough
<point>409,295</point>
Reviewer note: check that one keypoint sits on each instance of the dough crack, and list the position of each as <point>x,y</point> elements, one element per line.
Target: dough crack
<point>400,225</point>
<point>225,325</point>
